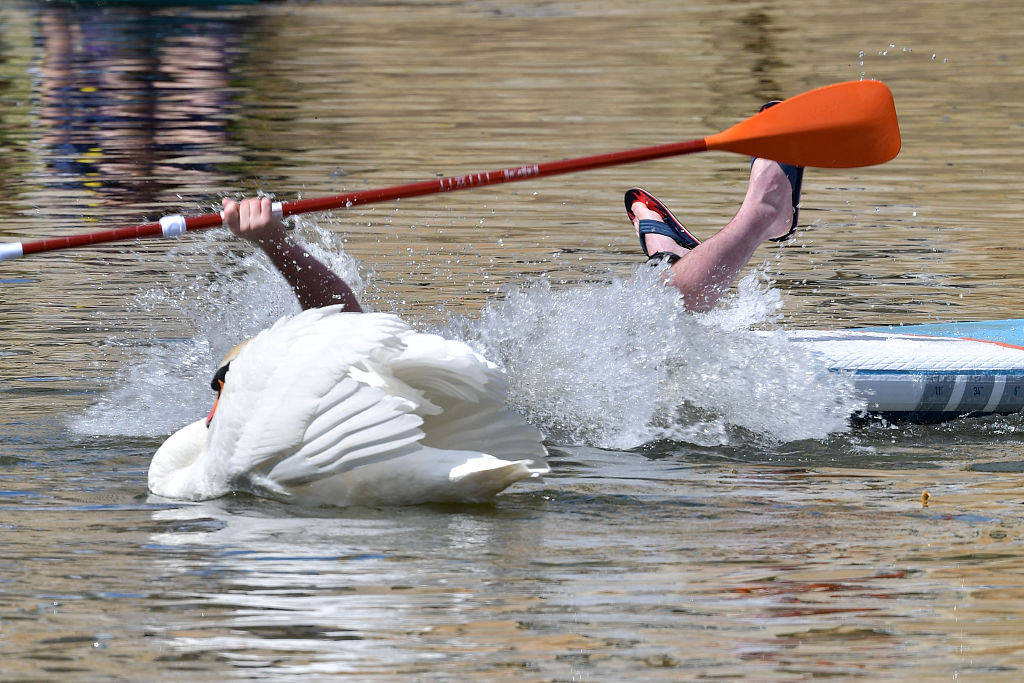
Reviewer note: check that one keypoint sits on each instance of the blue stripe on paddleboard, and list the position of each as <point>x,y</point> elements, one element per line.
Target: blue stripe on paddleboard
<point>1009,331</point>
<point>945,393</point>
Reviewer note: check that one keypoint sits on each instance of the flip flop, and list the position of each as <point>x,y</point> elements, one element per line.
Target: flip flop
<point>669,225</point>
<point>795,174</point>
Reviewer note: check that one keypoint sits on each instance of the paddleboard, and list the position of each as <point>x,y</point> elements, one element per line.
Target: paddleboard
<point>928,373</point>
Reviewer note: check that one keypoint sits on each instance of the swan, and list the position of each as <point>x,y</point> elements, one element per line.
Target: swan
<point>335,408</point>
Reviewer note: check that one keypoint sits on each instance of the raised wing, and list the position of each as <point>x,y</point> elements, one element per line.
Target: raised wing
<point>287,393</point>
<point>470,390</point>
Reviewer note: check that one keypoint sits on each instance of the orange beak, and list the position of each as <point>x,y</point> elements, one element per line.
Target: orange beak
<point>214,408</point>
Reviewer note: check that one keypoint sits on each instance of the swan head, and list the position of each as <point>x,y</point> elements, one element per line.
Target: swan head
<point>171,472</point>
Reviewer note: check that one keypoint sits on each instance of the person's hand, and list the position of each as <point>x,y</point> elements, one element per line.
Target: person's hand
<point>252,219</point>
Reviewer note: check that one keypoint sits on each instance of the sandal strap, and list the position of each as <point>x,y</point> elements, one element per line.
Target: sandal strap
<point>795,174</point>
<point>649,226</point>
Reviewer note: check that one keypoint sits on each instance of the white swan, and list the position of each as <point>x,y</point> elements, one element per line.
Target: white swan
<point>328,407</point>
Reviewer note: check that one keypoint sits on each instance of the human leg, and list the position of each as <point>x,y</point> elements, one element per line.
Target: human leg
<point>703,274</point>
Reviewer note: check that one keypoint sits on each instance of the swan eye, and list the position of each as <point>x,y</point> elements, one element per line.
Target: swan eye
<point>217,383</point>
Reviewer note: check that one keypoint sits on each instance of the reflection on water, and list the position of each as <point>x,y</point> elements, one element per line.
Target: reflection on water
<point>738,541</point>
<point>132,103</point>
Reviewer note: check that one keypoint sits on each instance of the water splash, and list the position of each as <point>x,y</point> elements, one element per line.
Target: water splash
<point>615,365</point>
<point>226,299</point>
<point>622,364</point>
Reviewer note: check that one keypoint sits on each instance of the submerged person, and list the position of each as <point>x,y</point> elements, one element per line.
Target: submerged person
<point>342,407</point>
<point>701,271</point>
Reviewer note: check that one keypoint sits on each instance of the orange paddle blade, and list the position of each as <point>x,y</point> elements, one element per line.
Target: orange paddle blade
<point>839,126</point>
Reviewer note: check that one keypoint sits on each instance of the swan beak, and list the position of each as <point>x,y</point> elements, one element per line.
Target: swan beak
<point>209,417</point>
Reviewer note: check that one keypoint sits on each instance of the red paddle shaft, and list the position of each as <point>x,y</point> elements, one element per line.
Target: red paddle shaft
<point>447,184</point>
<point>505,175</point>
<point>843,125</point>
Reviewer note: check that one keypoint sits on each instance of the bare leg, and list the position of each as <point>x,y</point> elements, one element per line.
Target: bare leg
<point>703,274</point>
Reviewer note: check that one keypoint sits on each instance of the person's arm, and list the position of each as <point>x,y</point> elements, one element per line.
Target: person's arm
<point>314,284</point>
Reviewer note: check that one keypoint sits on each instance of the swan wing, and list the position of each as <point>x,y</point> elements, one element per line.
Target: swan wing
<point>355,425</point>
<point>471,391</point>
<point>289,412</point>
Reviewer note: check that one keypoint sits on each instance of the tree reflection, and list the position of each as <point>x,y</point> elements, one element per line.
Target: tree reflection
<point>133,102</point>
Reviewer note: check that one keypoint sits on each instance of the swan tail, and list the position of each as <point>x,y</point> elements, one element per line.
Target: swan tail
<point>480,479</point>
<point>496,431</point>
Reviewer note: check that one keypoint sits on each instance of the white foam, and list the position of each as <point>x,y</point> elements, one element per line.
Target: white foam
<point>622,364</point>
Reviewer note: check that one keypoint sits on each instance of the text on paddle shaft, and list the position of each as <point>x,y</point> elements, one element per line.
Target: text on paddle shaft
<point>474,179</point>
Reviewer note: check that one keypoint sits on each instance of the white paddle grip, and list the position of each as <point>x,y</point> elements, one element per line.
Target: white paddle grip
<point>10,250</point>
<point>172,226</point>
<point>279,214</point>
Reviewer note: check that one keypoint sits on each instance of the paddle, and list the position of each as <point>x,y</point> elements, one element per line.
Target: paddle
<point>844,125</point>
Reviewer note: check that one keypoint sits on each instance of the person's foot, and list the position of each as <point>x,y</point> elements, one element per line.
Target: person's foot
<point>769,198</point>
<point>653,242</point>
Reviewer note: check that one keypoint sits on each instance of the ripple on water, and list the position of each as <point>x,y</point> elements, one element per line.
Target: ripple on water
<point>678,559</point>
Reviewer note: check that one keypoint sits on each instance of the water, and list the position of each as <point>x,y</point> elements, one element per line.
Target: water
<point>709,513</point>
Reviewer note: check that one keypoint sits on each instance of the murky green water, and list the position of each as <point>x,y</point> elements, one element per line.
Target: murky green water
<point>717,550</point>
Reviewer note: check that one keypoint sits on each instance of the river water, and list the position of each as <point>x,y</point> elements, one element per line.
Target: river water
<point>729,523</point>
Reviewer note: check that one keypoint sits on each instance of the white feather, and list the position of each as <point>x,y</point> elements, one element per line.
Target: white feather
<point>353,408</point>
